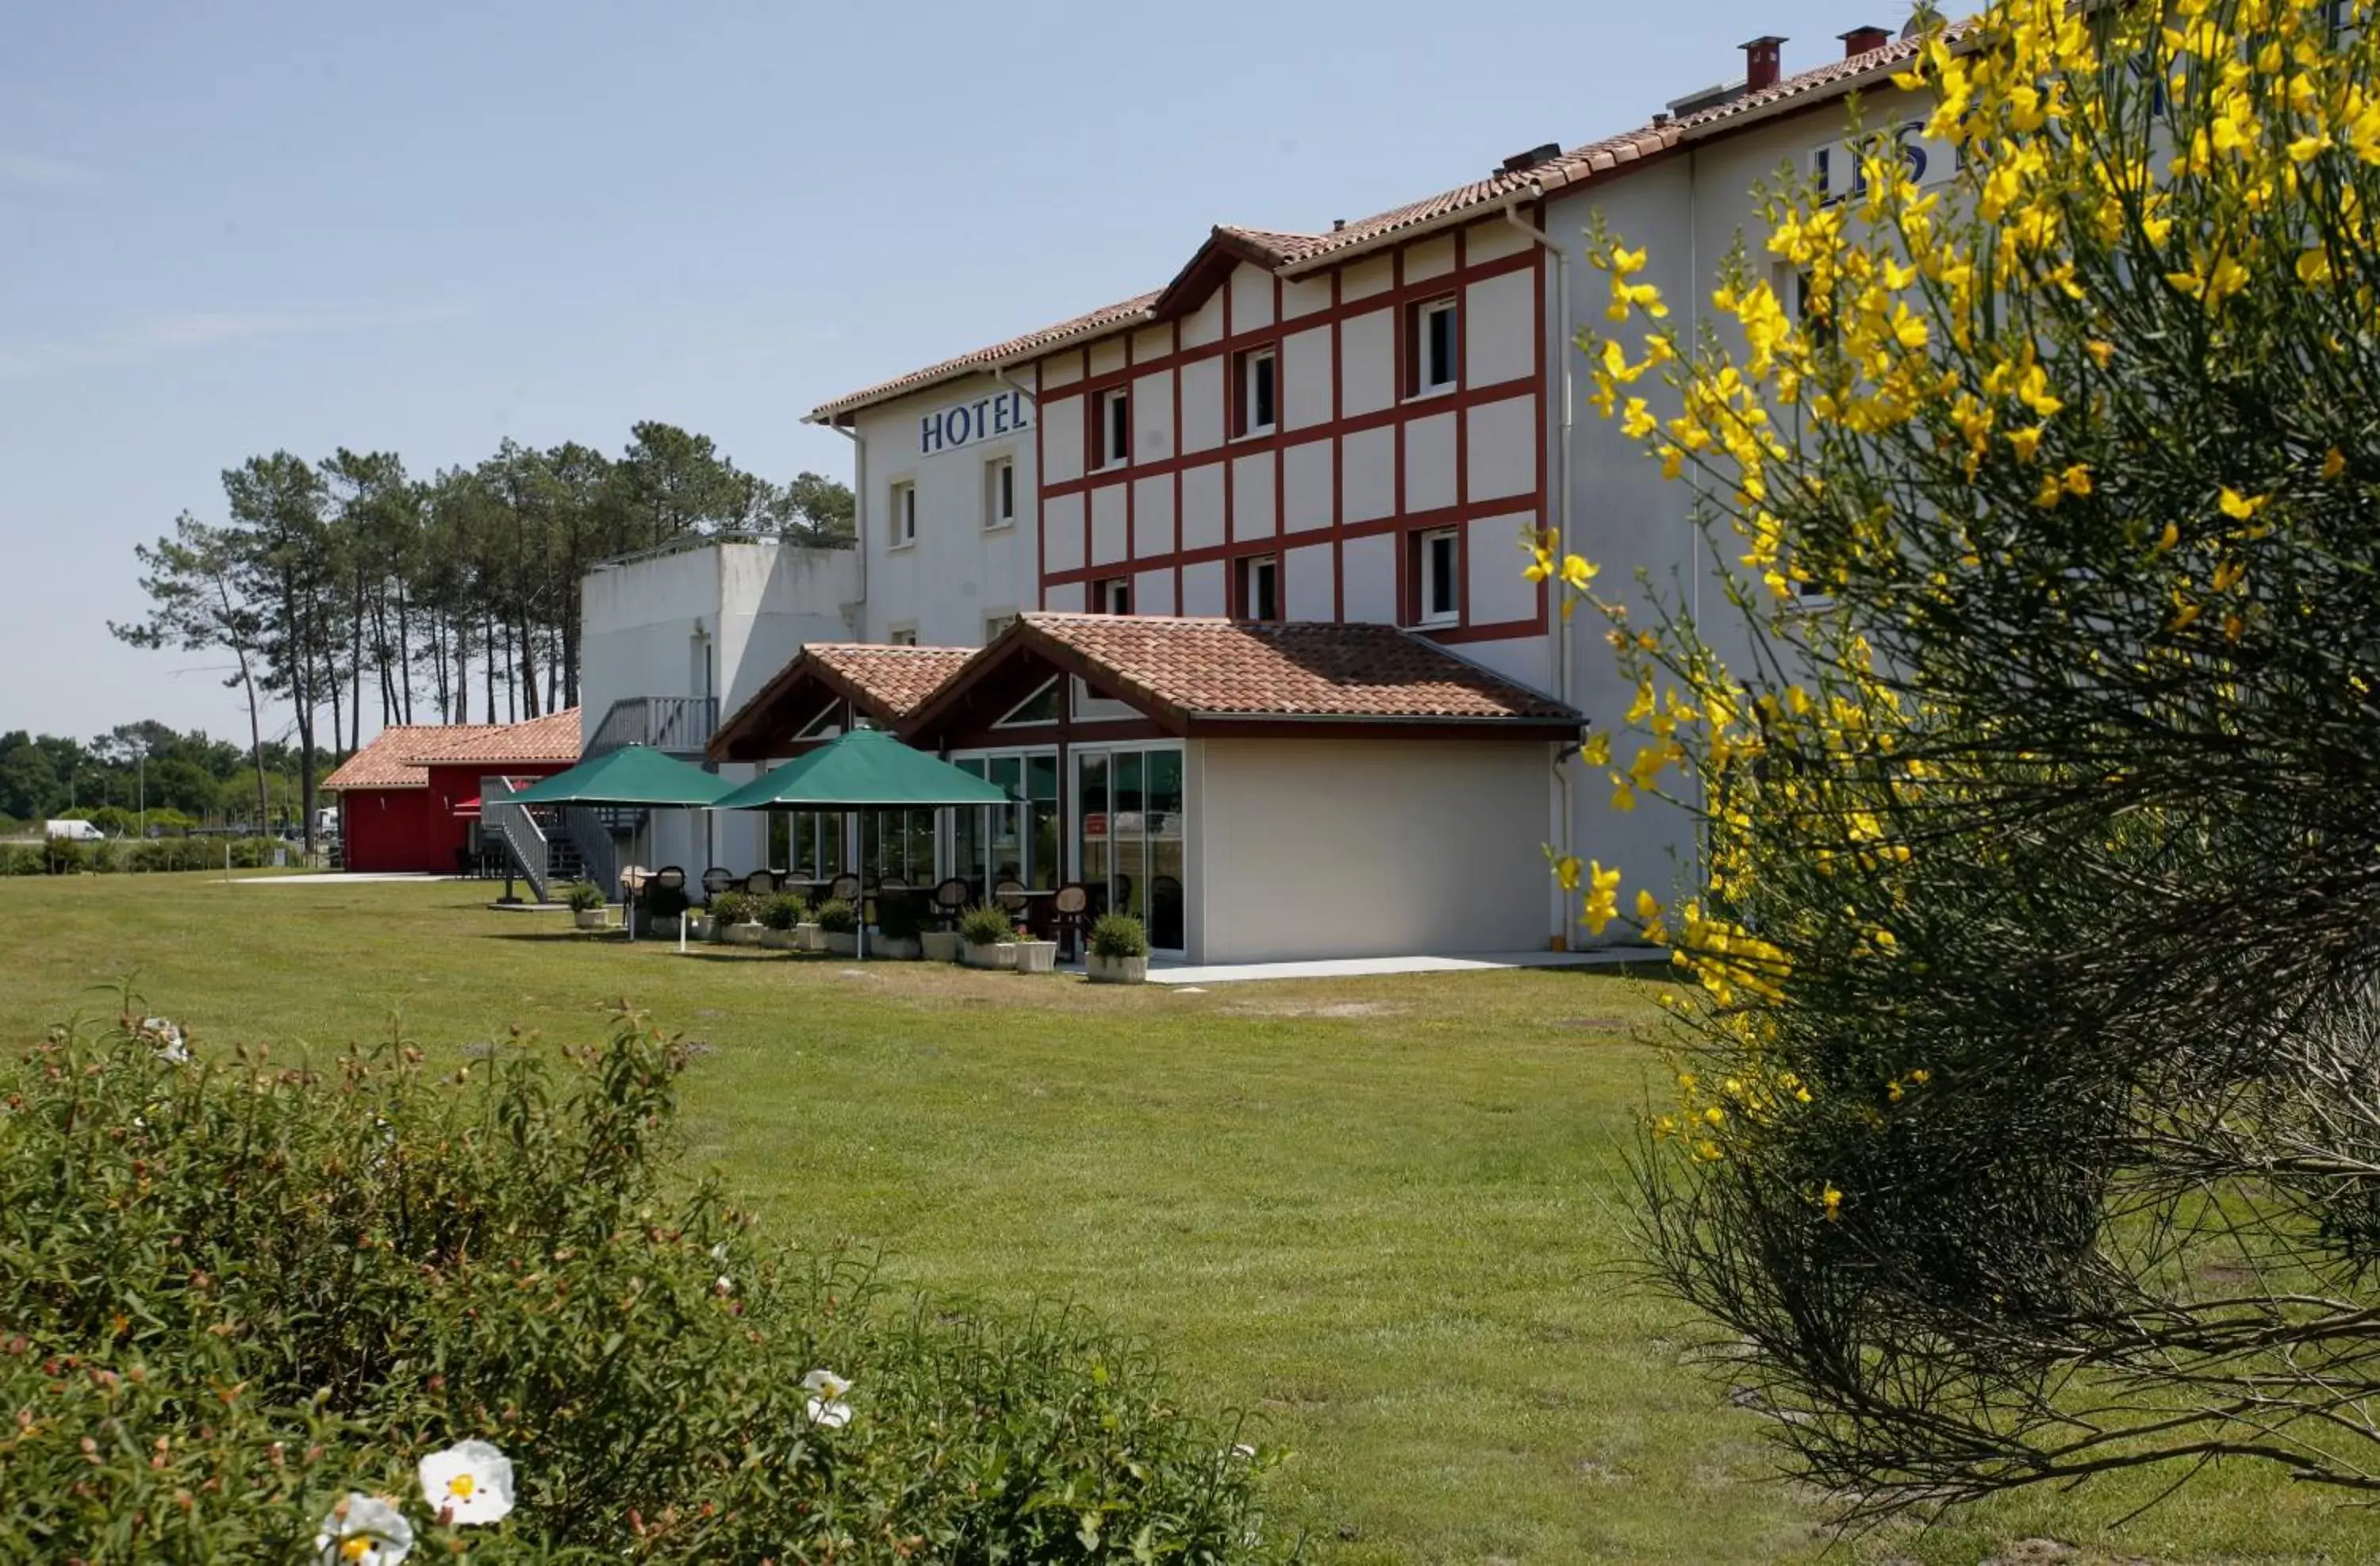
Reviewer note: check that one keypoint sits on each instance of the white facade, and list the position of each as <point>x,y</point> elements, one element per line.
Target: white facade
<point>1344,848</point>
<point>712,621</point>
<point>949,560</point>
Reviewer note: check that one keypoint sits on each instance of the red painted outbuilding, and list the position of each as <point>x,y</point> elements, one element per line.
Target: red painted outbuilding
<point>410,800</point>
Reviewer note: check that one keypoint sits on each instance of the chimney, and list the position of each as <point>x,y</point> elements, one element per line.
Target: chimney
<point>1762,62</point>
<point>1544,152</point>
<point>1336,223</point>
<point>1860,40</point>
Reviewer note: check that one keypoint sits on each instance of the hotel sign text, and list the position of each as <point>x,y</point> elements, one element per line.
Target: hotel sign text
<point>986,419</point>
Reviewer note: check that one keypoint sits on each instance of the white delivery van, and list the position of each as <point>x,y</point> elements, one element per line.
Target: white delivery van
<point>76,832</point>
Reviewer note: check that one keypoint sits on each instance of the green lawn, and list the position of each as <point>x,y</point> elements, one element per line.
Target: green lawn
<point>1386,1217</point>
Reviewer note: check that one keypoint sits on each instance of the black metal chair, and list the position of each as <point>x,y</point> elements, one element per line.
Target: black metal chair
<point>715,880</point>
<point>1009,892</point>
<point>951,900</point>
<point>845,887</point>
<point>760,884</point>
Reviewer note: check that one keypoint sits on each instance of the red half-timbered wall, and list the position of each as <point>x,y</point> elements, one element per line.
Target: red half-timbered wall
<point>1078,393</point>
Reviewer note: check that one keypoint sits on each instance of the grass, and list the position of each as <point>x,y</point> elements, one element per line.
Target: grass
<point>1387,1217</point>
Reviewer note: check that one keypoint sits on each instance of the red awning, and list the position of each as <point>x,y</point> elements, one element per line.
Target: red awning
<point>469,810</point>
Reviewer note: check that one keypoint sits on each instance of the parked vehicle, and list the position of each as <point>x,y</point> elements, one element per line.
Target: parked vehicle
<point>74,832</point>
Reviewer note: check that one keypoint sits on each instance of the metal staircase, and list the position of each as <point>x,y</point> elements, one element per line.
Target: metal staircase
<point>583,843</point>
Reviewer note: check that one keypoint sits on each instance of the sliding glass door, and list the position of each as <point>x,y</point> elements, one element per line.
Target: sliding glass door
<point>1128,835</point>
<point>1015,842</point>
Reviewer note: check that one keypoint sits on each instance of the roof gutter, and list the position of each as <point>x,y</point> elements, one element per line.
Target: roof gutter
<point>1569,725</point>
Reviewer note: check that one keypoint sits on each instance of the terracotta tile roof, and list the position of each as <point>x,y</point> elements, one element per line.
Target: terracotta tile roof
<point>382,764</point>
<point>892,680</point>
<point>1234,668</point>
<point>553,737</point>
<point>397,755</point>
<point>900,678</point>
<point>1300,253</point>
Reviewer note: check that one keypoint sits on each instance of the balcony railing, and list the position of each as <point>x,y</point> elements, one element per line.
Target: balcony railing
<point>678,724</point>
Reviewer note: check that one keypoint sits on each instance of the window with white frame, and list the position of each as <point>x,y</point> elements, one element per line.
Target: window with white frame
<point>1259,587</point>
<point>1438,578</point>
<point>1000,491</point>
<point>901,636</point>
<point>1112,431</point>
<point>905,514</point>
<point>1255,392</point>
<point>1435,344</point>
<point>1112,596</point>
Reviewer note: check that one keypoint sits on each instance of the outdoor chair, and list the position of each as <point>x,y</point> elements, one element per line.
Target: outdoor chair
<point>1010,894</point>
<point>1070,915</point>
<point>715,880</point>
<point>951,900</point>
<point>672,877</point>
<point>760,884</point>
<point>845,887</point>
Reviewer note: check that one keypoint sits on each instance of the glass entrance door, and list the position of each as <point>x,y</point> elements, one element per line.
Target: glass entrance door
<point>1129,836</point>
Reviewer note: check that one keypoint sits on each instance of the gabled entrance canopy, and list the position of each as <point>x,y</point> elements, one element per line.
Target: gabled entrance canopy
<point>1212,678</point>
<point>826,690</point>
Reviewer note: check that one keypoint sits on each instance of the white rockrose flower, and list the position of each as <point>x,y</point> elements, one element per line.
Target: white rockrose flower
<point>469,1483</point>
<point>826,1405</point>
<point>363,1531</point>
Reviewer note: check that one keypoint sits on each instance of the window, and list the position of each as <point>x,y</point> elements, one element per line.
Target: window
<point>1111,437</point>
<point>1437,577</point>
<point>1000,491</point>
<point>1255,392</point>
<point>1433,336</point>
<point>1041,706</point>
<point>905,514</point>
<point>1259,587</point>
<point>994,625</point>
<point>901,636</point>
<point>1112,596</point>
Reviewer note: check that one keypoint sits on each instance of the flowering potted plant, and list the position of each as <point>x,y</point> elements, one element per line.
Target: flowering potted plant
<point>838,925</point>
<point>986,938</point>
<point>1119,952</point>
<point>781,914</point>
<point>731,912</point>
<point>898,925</point>
<point>587,907</point>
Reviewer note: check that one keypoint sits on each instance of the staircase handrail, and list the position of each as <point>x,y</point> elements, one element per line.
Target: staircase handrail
<point>523,839</point>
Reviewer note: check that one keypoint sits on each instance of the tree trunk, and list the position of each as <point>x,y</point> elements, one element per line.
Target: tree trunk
<point>527,668</point>
<point>488,627</point>
<point>405,653</point>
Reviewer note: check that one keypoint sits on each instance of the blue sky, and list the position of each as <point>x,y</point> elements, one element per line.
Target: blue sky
<point>235,228</point>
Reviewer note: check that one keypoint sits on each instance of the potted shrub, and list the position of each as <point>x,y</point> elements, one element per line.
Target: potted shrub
<point>838,927</point>
<point>1119,952</point>
<point>731,912</point>
<point>587,907</point>
<point>986,938</point>
<point>781,914</point>
<point>938,945</point>
<point>898,927</point>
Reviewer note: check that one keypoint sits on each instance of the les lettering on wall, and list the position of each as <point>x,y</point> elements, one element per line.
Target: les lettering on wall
<point>986,419</point>
<point>1840,168</point>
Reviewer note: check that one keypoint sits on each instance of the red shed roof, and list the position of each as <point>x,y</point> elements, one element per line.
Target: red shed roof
<point>400,756</point>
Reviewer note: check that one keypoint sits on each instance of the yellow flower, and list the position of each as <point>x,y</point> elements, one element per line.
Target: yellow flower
<point>1832,1200</point>
<point>2333,464</point>
<point>1602,898</point>
<point>1596,751</point>
<point>2239,507</point>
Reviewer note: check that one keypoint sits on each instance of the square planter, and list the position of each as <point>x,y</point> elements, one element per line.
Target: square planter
<point>1116,970</point>
<point>894,949</point>
<point>779,940</point>
<point>1037,956</point>
<point>746,934</point>
<point>840,945</point>
<point>939,946</point>
<point>1001,956</point>
<point>592,919</point>
<point>807,938</point>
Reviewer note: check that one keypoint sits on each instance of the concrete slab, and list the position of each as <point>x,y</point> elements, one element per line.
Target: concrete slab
<point>1370,967</point>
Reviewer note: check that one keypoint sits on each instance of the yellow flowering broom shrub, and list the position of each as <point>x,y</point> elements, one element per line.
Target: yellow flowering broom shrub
<point>2026,1125</point>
